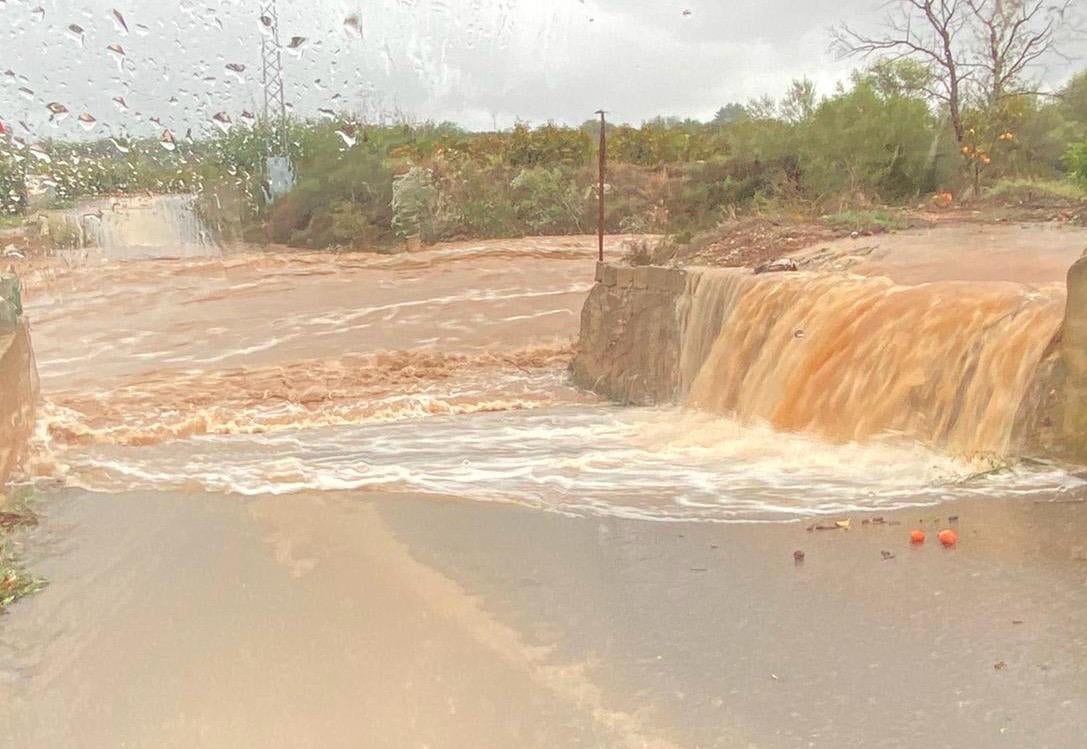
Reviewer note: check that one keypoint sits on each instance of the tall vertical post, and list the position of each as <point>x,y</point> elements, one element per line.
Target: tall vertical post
<point>275,102</point>
<point>600,188</point>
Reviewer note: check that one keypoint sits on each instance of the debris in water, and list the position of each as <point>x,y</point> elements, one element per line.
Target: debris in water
<point>948,537</point>
<point>9,520</point>
<point>780,265</point>
<point>699,569</point>
<point>1017,621</point>
<point>887,555</point>
<point>1000,666</point>
<point>953,519</point>
<point>798,557</point>
<point>917,537</point>
<point>799,333</point>
<point>843,524</point>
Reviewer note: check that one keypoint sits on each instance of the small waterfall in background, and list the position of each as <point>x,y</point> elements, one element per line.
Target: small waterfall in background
<point>156,226</point>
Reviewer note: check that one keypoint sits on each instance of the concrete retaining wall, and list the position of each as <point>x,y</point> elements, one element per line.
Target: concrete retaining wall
<point>18,397</point>
<point>630,334</point>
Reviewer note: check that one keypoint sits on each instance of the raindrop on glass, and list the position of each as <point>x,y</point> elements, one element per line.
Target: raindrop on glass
<point>167,140</point>
<point>348,139</point>
<point>222,121</point>
<point>75,33</point>
<point>119,20</point>
<point>57,110</point>
<point>352,26</point>
<point>40,155</point>
<point>237,69</point>
<point>87,121</point>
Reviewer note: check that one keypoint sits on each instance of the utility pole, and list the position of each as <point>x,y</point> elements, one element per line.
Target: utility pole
<point>600,188</point>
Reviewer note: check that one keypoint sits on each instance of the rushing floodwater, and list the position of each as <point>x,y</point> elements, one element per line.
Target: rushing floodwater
<point>445,372</point>
<point>597,460</point>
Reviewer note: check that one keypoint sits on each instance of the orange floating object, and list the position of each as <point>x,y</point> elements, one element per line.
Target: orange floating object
<point>917,537</point>
<point>948,537</point>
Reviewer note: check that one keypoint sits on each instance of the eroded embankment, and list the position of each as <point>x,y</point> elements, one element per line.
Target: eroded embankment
<point>845,357</point>
<point>18,395</point>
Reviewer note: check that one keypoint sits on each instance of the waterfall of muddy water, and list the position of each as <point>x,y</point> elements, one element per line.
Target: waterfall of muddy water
<point>445,372</point>
<point>852,358</point>
<point>146,226</point>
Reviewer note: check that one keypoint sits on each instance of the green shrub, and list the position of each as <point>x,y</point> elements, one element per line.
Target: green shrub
<point>415,203</point>
<point>64,234</point>
<point>547,201</point>
<point>1075,159</point>
<point>871,221</point>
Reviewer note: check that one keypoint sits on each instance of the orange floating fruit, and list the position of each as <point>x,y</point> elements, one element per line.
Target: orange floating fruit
<point>917,537</point>
<point>948,537</point>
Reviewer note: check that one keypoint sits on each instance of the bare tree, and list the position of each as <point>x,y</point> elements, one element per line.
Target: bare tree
<point>979,51</point>
<point>935,32</point>
<point>1012,36</point>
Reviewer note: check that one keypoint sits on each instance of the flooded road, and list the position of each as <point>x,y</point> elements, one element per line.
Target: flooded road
<point>305,499</point>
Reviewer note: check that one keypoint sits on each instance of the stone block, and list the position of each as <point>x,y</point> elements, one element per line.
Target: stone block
<point>624,277</point>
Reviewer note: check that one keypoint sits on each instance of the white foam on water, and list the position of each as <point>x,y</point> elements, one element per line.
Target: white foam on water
<point>600,460</point>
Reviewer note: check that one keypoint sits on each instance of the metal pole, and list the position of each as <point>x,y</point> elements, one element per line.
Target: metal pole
<point>600,189</point>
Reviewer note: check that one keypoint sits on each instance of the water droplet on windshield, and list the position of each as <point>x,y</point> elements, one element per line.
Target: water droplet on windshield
<point>222,121</point>
<point>58,112</point>
<point>247,117</point>
<point>38,13</point>
<point>167,140</point>
<point>119,20</point>
<point>237,69</point>
<point>75,33</point>
<point>121,147</point>
<point>28,93</point>
<point>352,26</point>
<point>40,155</point>
<point>348,139</point>
<point>120,102</point>
<point>87,121</point>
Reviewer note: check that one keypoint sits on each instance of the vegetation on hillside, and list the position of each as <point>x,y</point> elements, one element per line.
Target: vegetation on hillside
<point>881,140</point>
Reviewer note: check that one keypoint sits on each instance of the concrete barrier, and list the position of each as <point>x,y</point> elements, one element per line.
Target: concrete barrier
<point>628,349</point>
<point>18,397</point>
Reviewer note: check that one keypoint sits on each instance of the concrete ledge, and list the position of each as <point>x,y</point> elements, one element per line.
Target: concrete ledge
<point>651,277</point>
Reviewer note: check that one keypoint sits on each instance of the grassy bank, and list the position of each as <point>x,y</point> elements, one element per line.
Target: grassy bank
<point>15,581</point>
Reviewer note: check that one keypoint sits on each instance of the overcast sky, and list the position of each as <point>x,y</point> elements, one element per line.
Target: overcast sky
<point>479,63</point>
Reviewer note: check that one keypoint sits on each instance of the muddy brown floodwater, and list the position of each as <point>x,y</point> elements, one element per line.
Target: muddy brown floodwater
<point>315,500</point>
